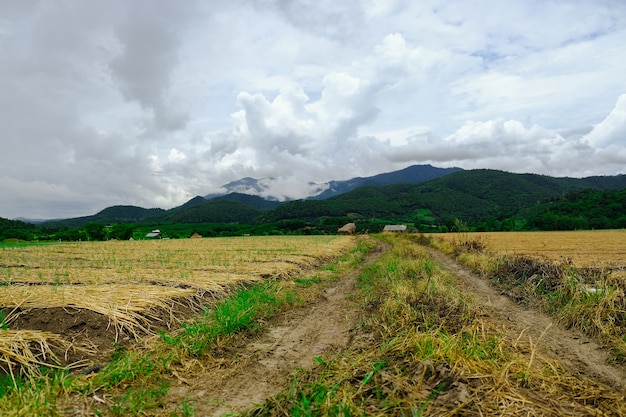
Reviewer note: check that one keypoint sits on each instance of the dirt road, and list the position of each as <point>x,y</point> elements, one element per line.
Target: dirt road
<point>580,354</point>
<point>265,366</point>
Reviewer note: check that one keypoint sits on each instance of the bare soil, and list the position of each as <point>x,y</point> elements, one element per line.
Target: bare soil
<point>92,333</point>
<point>267,364</point>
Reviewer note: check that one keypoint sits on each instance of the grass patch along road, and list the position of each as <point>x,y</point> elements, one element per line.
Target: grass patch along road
<point>396,332</point>
<point>428,345</point>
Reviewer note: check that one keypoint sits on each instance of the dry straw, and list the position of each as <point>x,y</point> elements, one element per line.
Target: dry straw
<point>26,350</point>
<point>127,306</point>
<point>139,285</point>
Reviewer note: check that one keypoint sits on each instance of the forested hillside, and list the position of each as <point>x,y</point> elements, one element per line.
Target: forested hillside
<point>113,214</point>
<point>16,229</point>
<point>214,211</point>
<point>472,200</point>
<point>471,196</point>
<point>589,209</point>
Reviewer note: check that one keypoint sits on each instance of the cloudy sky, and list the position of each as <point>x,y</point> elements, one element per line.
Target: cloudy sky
<point>152,102</point>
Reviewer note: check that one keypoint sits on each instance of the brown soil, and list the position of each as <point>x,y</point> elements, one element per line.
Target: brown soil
<point>265,366</point>
<point>84,328</point>
<point>92,334</point>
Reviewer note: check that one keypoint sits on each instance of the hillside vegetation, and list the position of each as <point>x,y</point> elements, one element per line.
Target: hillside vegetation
<point>481,200</point>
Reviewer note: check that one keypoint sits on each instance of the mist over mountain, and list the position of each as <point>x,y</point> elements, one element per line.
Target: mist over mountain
<point>481,199</point>
<point>274,189</point>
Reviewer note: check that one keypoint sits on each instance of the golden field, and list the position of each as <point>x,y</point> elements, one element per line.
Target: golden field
<point>197,264</point>
<point>595,248</point>
<point>130,282</point>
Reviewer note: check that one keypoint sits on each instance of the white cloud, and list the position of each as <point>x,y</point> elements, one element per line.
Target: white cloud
<point>153,102</point>
<point>176,156</point>
<point>611,130</point>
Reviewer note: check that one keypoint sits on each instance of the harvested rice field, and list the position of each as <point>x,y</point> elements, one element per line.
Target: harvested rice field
<point>605,249</point>
<point>84,297</point>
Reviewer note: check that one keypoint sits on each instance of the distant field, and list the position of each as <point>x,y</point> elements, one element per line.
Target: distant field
<point>134,283</point>
<point>597,248</point>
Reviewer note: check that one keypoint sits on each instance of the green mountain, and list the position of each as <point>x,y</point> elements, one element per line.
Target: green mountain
<point>194,202</point>
<point>212,211</point>
<point>255,201</point>
<point>588,209</point>
<point>479,199</point>
<point>113,214</point>
<point>470,196</point>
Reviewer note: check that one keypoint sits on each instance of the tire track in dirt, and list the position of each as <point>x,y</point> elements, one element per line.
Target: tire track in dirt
<point>266,365</point>
<point>577,352</point>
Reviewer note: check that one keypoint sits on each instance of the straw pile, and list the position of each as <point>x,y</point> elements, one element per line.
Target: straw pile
<point>140,284</point>
<point>128,306</point>
<point>24,351</point>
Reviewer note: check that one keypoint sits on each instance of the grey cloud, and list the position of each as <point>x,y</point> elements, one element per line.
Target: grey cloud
<point>149,38</point>
<point>129,102</point>
<point>508,145</point>
<point>325,17</point>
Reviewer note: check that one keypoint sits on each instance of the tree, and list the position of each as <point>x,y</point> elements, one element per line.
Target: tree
<point>95,231</point>
<point>122,231</point>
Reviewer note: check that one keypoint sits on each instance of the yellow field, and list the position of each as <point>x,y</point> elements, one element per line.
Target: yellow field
<point>598,248</point>
<point>124,280</point>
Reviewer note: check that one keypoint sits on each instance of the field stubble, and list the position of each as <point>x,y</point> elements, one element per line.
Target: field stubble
<point>87,297</point>
<point>578,277</point>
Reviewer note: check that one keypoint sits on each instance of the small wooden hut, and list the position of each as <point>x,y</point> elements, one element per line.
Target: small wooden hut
<point>395,228</point>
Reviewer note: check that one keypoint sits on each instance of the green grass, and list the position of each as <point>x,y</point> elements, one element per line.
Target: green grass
<point>307,282</point>
<point>423,349</point>
<point>136,379</point>
<point>239,313</point>
<point>17,243</point>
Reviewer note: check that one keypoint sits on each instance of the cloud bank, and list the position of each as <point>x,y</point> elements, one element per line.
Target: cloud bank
<point>153,102</point>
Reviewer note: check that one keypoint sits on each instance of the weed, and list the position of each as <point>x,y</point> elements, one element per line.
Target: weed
<point>137,401</point>
<point>307,282</point>
<point>3,321</point>
<point>187,410</point>
<point>377,367</point>
<point>428,353</point>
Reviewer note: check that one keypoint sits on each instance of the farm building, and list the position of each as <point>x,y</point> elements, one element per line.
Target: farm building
<point>347,229</point>
<point>155,234</point>
<point>395,228</point>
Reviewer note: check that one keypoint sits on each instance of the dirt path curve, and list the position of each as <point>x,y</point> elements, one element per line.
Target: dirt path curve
<point>580,354</point>
<point>266,365</point>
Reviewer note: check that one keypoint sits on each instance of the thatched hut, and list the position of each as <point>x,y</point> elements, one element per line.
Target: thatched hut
<point>347,229</point>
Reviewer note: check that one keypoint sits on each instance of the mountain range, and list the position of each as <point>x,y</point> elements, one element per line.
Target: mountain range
<point>420,194</point>
<point>251,192</point>
<point>267,187</point>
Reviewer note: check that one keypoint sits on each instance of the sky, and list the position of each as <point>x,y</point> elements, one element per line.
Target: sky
<point>153,102</point>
